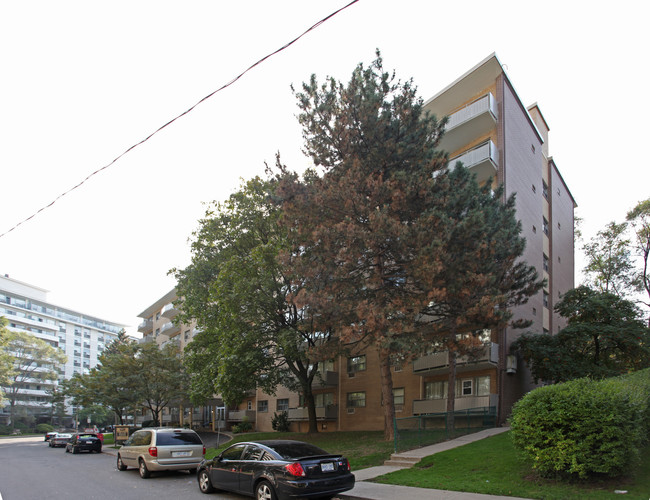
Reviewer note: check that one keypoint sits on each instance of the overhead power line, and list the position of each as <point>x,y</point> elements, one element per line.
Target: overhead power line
<point>313,27</point>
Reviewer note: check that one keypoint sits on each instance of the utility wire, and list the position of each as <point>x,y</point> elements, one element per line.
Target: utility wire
<point>181,115</point>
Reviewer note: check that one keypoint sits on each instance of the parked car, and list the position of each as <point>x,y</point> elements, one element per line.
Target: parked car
<point>161,448</point>
<point>49,435</point>
<point>61,439</point>
<point>276,469</point>
<point>85,441</point>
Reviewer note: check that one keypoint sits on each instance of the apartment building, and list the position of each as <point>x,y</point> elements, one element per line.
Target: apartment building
<point>158,326</point>
<point>80,336</point>
<point>497,137</point>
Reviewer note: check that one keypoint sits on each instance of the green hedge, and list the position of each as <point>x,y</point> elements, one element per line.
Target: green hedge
<point>584,427</point>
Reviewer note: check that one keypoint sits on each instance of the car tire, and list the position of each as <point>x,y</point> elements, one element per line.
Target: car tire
<point>192,471</point>
<point>204,482</point>
<point>120,464</point>
<point>265,491</point>
<point>142,468</point>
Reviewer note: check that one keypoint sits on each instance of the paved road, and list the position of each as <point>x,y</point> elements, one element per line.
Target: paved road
<point>31,470</point>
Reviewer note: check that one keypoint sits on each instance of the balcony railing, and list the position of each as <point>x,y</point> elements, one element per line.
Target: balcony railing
<point>170,329</point>
<point>146,326</point>
<point>329,412</point>
<point>438,362</point>
<point>483,160</point>
<point>326,379</point>
<point>426,406</point>
<point>146,339</point>
<point>240,415</point>
<point>470,122</point>
<point>169,311</point>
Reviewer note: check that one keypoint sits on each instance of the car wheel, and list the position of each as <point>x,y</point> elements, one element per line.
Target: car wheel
<point>120,464</point>
<point>144,472</point>
<point>204,482</point>
<point>264,491</point>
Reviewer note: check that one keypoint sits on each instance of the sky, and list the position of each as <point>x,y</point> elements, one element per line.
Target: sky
<point>83,81</point>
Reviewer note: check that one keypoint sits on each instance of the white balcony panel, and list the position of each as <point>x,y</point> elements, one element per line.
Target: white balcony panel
<point>146,326</point>
<point>240,415</point>
<point>426,406</point>
<point>482,160</point>
<point>329,412</point>
<point>170,329</point>
<point>469,123</point>
<point>438,362</point>
<point>169,311</point>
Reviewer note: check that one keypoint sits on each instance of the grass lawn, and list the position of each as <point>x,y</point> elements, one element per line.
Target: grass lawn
<point>491,466</point>
<point>362,449</point>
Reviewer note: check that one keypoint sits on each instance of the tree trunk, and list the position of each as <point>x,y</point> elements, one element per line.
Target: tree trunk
<point>311,411</point>
<point>387,394</point>
<point>451,391</point>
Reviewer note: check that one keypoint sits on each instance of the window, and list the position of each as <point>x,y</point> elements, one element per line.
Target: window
<point>534,230</point>
<point>398,396</point>
<point>559,226</point>
<point>534,311</point>
<point>467,386</point>
<point>263,406</point>
<point>545,262</point>
<point>534,189</point>
<point>249,405</point>
<point>545,190</point>
<point>532,148</point>
<point>324,399</point>
<point>356,400</point>
<point>357,364</point>
<point>435,390</point>
<point>252,453</point>
<point>545,226</point>
<point>186,335</point>
<point>545,299</point>
<point>282,404</point>
<point>483,386</point>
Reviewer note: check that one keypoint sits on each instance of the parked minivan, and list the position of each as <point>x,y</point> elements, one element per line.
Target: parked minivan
<point>161,448</point>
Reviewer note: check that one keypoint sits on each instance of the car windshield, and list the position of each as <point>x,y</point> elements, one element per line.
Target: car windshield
<point>177,438</point>
<point>294,449</point>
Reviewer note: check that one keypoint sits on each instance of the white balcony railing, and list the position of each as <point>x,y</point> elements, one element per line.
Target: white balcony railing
<point>427,406</point>
<point>329,412</point>
<point>240,415</point>
<point>439,361</point>
<point>483,160</point>
<point>470,122</point>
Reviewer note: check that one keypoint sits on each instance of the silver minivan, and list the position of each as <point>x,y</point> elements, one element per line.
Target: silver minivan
<point>161,448</point>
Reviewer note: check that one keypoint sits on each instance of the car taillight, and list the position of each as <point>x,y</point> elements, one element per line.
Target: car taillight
<point>344,464</point>
<point>295,469</point>
<point>153,451</point>
<point>204,449</point>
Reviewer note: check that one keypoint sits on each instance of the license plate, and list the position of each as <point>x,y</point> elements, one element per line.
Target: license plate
<point>181,453</point>
<point>327,467</point>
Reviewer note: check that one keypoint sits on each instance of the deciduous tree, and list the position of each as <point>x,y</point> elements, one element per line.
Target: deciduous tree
<point>639,220</point>
<point>604,337</point>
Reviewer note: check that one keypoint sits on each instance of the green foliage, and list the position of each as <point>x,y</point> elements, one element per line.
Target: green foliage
<point>584,428</point>
<point>244,426</point>
<point>639,220</point>
<point>280,421</point>
<point>604,337</point>
<point>5,430</point>
<point>236,289</point>
<point>44,428</point>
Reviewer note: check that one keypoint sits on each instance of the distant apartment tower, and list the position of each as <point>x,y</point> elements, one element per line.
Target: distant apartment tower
<point>80,336</point>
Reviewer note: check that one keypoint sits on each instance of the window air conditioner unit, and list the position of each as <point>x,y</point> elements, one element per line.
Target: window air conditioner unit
<point>350,411</point>
<point>511,364</point>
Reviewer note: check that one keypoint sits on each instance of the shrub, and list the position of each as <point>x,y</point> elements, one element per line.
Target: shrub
<point>44,428</point>
<point>280,422</point>
<point>584,427</point>
<point>243,426</point>
<point>5,429</point>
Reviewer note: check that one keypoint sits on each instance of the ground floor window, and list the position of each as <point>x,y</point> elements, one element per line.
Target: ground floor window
<point>283,404</point>
<point>356,399</point>
<point>263,406</point>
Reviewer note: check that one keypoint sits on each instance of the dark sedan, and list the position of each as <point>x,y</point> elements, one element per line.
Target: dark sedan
<point>276,469</point>
<point>84,442</point>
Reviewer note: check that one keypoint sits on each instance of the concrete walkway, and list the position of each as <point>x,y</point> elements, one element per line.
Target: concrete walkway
<point>375,491</point>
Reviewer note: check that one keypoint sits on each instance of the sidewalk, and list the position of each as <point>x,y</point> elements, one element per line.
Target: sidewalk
<point>375,491</point>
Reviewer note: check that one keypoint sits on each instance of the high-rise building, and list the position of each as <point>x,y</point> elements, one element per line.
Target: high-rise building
<point>80,336</point>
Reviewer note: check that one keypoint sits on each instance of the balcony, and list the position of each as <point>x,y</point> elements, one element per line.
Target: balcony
<point>438,362</point>
<point>467,124</point>
<point>146,339</point>
<point>169,311</point>
<point>326,379</point>
<point>146,326</point>
<point>428,406</point>
<point>329,412</point>
<point>240,415</point>
<point>170,329</point>
<point>483,160</point>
